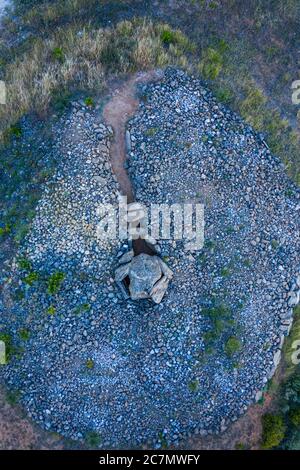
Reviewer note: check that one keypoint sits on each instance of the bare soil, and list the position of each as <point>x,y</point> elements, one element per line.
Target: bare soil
<point>118,110</point>
<point>18,432</point>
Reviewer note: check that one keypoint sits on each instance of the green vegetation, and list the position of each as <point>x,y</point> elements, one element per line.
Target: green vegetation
<point>173,38</point>
<point>288,392</point>
<point>31,278</point>
<point>213,60</point>
<point>54,282</point>
<point>225,272</point>
<point>90,364</point>
<point>288,349</point>
<point>211,64</point>
<point>210,245</point>
<point>92,439</point>
<point>247,263</point>
<point>58,54</point>
<point>167,36</point>
<point>240,446</point>
<point>151,131</point>
<point>273,430</point>
<point>51,310</point>
<point>253,105</point>
<point>12,397</point>
<point>193,385</point>
<point>229,230</point>
<point>294,416</point>
<point>60,99</point>
<point>163,440</point>
<point>89,58</point>
<point>15,130</point>
<point>24,264</point>
<point>221,318</point>
<point>24,334</point>
<point>5,230</point>
<point>89,102</point>
<point>232,346</point>
<point>84,57</point>
<point>82,308</point>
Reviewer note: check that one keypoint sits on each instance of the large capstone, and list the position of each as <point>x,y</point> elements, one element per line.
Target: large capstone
<point>144,277</point>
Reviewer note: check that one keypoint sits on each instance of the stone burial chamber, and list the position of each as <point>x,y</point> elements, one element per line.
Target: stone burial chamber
<point>143,277</point>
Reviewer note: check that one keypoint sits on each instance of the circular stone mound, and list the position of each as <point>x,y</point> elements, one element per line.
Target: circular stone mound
<point>138,373</point>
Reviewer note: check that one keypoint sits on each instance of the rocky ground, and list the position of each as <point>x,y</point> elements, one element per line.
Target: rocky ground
<point>133,373</point>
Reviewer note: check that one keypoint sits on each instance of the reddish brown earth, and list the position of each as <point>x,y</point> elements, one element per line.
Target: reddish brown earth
<point>17,432</point>
<point>246,432</point>
<point>118,110</point>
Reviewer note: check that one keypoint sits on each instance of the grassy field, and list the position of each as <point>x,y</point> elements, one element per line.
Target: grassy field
<point>84,58</point>
<point>246,53</point>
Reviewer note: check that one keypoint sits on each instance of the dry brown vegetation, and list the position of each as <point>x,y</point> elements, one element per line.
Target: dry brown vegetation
<point>66,51</point>
<point>83,59</point>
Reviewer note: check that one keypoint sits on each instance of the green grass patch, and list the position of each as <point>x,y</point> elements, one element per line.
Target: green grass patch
<point>225,272</point>
<point>58,54</point>
<point>193,386</point>
<point>51,310</point>
<point>232,346</point>
<point>89,102</point>
<point>82,308</point>
<point>294,416</point>
<point>24,334</point>
<point>163,440</point>
<point>90,364</point>
<point>12,397</point>
<point>151,131</point>
<point>211,64</point>
<point>213,60</point>
<point>92,439</point>
<point>24,263</point>
<point>6,230</point>
<point>31,278</point>
<point>54,283</point>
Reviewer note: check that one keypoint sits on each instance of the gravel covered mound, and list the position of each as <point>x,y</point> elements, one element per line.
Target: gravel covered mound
<point>137,373</point>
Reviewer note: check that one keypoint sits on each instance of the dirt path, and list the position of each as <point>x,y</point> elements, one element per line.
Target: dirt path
<point>119,109</point>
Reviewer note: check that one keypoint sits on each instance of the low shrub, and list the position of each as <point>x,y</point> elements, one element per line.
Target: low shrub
<point>5,230</point>
<point>31,278</point>
<point>24,334</point>
<point>92,439</point>
<point>24,264</point>
<point>273,430</point>
<point>89,102</point>
<point>232,346</point>
<point>51,310</point>
<point>193,385</point>
<point>90,364</point>
<point>54,282</point>
<point>12,397</point>
<point>294,416</point>
<point>213,59</point>
<point>58,54</point>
